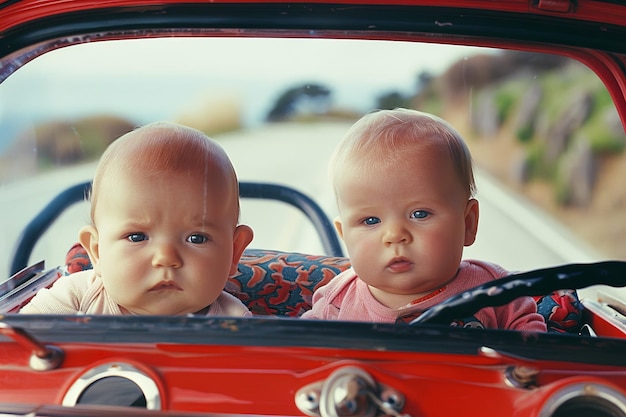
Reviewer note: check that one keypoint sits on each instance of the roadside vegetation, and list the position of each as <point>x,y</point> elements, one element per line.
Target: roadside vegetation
<point>548,130</point>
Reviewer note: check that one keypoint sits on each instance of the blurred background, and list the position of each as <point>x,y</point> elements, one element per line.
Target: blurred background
<point>545,135</point>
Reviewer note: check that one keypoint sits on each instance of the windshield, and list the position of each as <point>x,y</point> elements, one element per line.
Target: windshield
<point>544,134</point>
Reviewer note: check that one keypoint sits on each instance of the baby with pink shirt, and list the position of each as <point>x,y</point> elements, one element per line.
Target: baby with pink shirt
<point>404,186</point>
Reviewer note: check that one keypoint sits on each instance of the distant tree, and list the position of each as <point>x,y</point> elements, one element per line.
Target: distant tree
<point>311,98</point>
<point>64,142</point>
<point>424,79</point>
<point>395,99</point>
<point>392,100</point>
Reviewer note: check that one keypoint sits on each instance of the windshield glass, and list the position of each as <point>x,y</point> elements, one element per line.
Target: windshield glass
<point>545,136</point>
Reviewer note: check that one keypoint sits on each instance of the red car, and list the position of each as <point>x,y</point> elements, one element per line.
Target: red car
<point>538,89</point>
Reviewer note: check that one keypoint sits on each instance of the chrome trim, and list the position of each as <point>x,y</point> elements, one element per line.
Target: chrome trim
<point>147,385</point>
<point>349,392</point>
<point>592,390</point>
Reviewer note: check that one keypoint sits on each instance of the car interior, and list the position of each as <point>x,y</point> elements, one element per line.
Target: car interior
<point>537,92</point>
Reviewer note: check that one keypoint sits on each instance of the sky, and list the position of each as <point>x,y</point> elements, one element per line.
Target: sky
<point>333,60</point>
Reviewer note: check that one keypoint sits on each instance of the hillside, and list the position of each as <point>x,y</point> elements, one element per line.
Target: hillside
<point>550,131</point>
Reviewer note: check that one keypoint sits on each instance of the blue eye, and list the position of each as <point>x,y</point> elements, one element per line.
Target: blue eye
<point>197,239</point>
<point>371,221</point>
<point>419,214</point>
<point>137,237</point>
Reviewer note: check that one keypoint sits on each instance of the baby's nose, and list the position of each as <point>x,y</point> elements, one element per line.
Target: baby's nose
<point>166,255</point>
<point>395,232</point>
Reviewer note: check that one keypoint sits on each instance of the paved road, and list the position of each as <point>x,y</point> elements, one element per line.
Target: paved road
<point>511,233</point>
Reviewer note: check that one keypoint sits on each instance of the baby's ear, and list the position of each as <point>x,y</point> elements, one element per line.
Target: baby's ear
<point>88,238</point>
<point>241,239</point>
<point>471,221</point>
<point>338,226</point>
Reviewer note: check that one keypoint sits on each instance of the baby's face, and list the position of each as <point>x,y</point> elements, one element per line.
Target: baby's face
<point>405,224</point>
<point>165,244</point>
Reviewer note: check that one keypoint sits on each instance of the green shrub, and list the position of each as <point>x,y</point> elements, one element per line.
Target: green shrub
<point>505,100</point>
<point>562,193</point>
<point>535,161</point>
<point>601,97</point>
<point>601,139</point>
<point>525,133</point>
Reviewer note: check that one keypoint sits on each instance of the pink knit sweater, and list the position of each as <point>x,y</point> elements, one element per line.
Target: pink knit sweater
<point>348,298</point>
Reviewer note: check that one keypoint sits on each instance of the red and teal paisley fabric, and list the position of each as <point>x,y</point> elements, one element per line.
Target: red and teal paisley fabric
<point>562,311</point>
<point>282,283</point>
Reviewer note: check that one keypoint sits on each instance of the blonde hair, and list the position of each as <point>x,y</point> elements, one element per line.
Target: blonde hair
<point>163,148</point>
<point>382,137</point>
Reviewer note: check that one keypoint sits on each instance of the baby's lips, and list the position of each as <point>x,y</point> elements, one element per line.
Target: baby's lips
<point>166,285</point>
<point>400,265</point>
<point>400,259</point>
